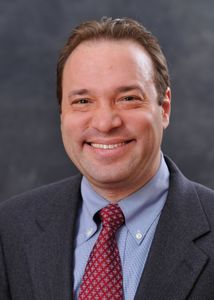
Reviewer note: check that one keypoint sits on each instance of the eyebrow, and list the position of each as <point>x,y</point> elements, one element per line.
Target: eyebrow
<point>121,89</point>
<point>78,92</point>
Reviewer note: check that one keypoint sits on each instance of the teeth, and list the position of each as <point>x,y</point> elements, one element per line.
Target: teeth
<point>104,146</point>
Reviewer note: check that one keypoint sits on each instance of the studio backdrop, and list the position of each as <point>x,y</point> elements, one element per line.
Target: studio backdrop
<point>31,35</point>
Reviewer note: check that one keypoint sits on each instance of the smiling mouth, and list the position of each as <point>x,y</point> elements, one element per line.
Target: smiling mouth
<point>108,146</point>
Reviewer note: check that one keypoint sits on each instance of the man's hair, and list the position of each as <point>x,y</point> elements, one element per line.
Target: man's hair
<point>116,29</point>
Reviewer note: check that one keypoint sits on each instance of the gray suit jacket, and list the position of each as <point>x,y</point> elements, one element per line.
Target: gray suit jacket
<point>37,233</point>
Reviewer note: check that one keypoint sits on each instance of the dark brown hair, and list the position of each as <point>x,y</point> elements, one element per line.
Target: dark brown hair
<point>116,29</point>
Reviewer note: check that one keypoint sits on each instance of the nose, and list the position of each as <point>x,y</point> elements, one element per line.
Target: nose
<point>105,119</point>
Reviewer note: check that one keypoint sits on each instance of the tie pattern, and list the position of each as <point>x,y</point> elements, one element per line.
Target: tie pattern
<point>103,279</point>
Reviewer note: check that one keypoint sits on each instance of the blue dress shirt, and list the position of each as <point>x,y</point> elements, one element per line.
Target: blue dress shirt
<point>141,209</point>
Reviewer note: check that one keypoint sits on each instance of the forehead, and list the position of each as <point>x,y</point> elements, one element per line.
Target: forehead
<point>109,49</point>
<point>108,60</point>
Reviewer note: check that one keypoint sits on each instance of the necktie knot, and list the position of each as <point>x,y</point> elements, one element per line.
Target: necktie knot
<point>112,216</point>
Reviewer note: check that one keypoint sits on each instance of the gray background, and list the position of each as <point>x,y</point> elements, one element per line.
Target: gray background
<point>31,34</point>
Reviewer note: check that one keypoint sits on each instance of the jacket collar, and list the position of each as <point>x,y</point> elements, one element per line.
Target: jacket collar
<point>175,262</point>
<point>50,250</point>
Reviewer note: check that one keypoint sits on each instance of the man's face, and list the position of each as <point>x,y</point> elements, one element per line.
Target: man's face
<point>111,121</point>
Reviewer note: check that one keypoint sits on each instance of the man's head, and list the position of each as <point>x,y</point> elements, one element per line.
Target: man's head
<point>116,29</point>
<point>112,111</point>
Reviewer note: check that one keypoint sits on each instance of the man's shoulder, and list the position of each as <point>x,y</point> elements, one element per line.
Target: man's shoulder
<point>206,197</point>
<point>179,178</point>
<point>39,199</point>
<point>190,189</point>
<point>203,190</point>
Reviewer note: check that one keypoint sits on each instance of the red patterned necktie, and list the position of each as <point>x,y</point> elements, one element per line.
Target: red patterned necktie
<point>103,278</point>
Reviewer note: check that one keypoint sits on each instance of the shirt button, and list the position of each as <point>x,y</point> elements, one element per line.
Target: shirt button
<point>139,235</point>
<point>89,232</point>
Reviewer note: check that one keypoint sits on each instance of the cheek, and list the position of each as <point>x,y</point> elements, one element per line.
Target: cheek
<point>147,125</point>
<point>69,122</point>
<point>73,127</point>
<point>68,129</point>
<point>141,122</point>
<point>65,125</point>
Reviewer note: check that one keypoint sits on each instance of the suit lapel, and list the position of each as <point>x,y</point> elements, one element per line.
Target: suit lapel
<point>175,262</point>
<point>50,252</point>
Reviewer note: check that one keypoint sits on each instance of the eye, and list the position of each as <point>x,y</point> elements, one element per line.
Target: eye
<point>135,99</point>
<point>82,101</point>
<point>82,104</point>
<point>129,98</point>
<point>130,101</point>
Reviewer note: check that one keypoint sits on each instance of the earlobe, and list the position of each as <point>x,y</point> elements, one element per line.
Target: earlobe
<point>166,108</point>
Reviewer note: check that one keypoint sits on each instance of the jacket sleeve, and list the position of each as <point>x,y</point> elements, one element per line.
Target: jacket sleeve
<point>4,286</point>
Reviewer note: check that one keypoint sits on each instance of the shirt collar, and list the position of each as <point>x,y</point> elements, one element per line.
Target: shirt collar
<point>92,203</point>
<point>140,208</point>
<point>143,207</point>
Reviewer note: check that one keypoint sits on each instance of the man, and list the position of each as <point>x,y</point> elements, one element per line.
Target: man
<point>114,96</point>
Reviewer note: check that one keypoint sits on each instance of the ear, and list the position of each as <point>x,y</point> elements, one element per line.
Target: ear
<point>166,108</point>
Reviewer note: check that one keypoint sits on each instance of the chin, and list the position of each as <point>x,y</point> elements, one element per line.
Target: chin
<point>103,179</point>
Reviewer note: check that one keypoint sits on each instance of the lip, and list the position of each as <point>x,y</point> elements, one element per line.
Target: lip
<point>107,146</point>
<point>111,149</point>
<point>107,141</point>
